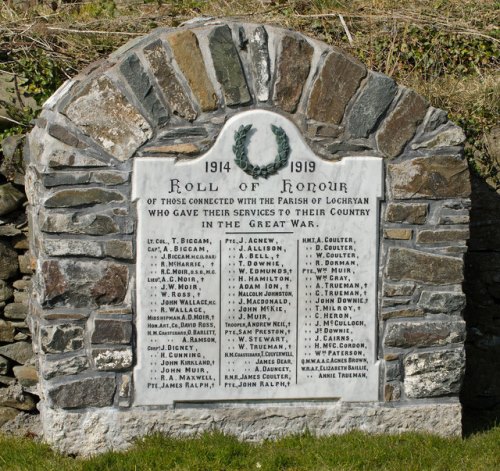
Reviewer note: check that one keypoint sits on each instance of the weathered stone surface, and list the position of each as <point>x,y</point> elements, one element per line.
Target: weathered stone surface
<point>116,359</point>
<point>335,86</point>
<point>16,311</point>
<point>13,396</point>
<point>112,331</point>
<point>89,392</point>
<point>398,234</point>
<point>292,72</point>
<point>61,338</point>
<point>67,366</point>
<point>10,198</point>
<point>437,236</point>
<point>79,223</point>
<point>406,312</point>
<point>94,431</point>
<point>432,374</point>
<point>6,291</point>
<point>227,65</point>
<point>6,331</point>
<point>371,104</point>
<point>172,90</point>
<point>25,264</point>
<point>188,56</point>
<point>452,219</point>
<point>20,352</point>
<point>82,197</point>
<point>12,166</point>
<point>26,375</point>
<point>400,126</point>
<point>260,62</point>
<point>187,148</point>
<point>24,284</point>
<point>395,302</point>
<point>140,83</point>
<point>61,133</point>
<point>65,178</point>
<point>436,118</point>
<point>109,177</point>
<point>103,113</point>
<point>435,177</point>
<point>408,264</point>
<point>406,213</point>
<point>392,392</point>
<point>393,370</point>
<point>83,284</point>
<point>112,287</point>
<point>451,136</point>
<point>121,249</point>
<point>21,297</point>
<point>9,263</point>
<point>7,413</point>
<point>68,158</point>
<point>442,301</point>
<point>4,365</point>
<point>424,334</point>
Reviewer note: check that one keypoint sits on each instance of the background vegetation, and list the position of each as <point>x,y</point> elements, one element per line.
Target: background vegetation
<point>448,50</point>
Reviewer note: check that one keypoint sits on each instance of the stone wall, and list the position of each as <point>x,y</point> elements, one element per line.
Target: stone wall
<point>170,94</point>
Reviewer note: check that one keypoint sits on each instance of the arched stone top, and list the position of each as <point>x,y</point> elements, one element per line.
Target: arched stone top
<point>201,74</point>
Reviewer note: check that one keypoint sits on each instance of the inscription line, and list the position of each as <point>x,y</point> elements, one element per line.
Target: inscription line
<point>297,322</point>
<point>220,312</point>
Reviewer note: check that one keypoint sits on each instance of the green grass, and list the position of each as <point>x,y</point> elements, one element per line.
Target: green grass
<point>215,451</point>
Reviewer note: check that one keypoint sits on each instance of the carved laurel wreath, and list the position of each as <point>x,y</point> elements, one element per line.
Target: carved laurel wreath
<point>256,171</point>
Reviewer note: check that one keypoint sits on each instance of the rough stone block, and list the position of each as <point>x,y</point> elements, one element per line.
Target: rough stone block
<point>432,374</point>
<point>106,359</point>
<point>61,338</point>
<point>406,312</point>
<point>64,367</point>
<point>112,331</point>
<point>400,289</point>
<point>7,414</point>
<point>227,66</point>
<point>6,291</point>
<point>260,62</point>
<point>424,334</point>
<point>82,197</point>
<point>335,86</point>
<point>88,392</point>
<point>406,213</point>
<point>9,264</point>
<point>293,68</point>
<point>172,90</point>
<point>16,311</point>
<point>392,392</point>
<point>437,236</point>
<point>121,249</point>
<point>4,365</point>
<point>449,137</point>
<point>140,83</point>
<point>25,264</point>
<point>186,50</point>
<point>371,104</point>
<point>10,198</point>
<point>83,284</point>
<point>26,375</point>
<point>435,177</point>
<point>14,396</point>
<point>20,352</point>
<point>442,301</point>
<point>407,264</point>
<point>398,234</point>
<point>400,126</point>
<point>6,331</point>
<point>393,370</point>
<point>103,113</point>
<point>79,223</point>
<point>61,133</point>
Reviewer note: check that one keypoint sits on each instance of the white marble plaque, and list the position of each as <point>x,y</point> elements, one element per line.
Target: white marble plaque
<point>256,288</point>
